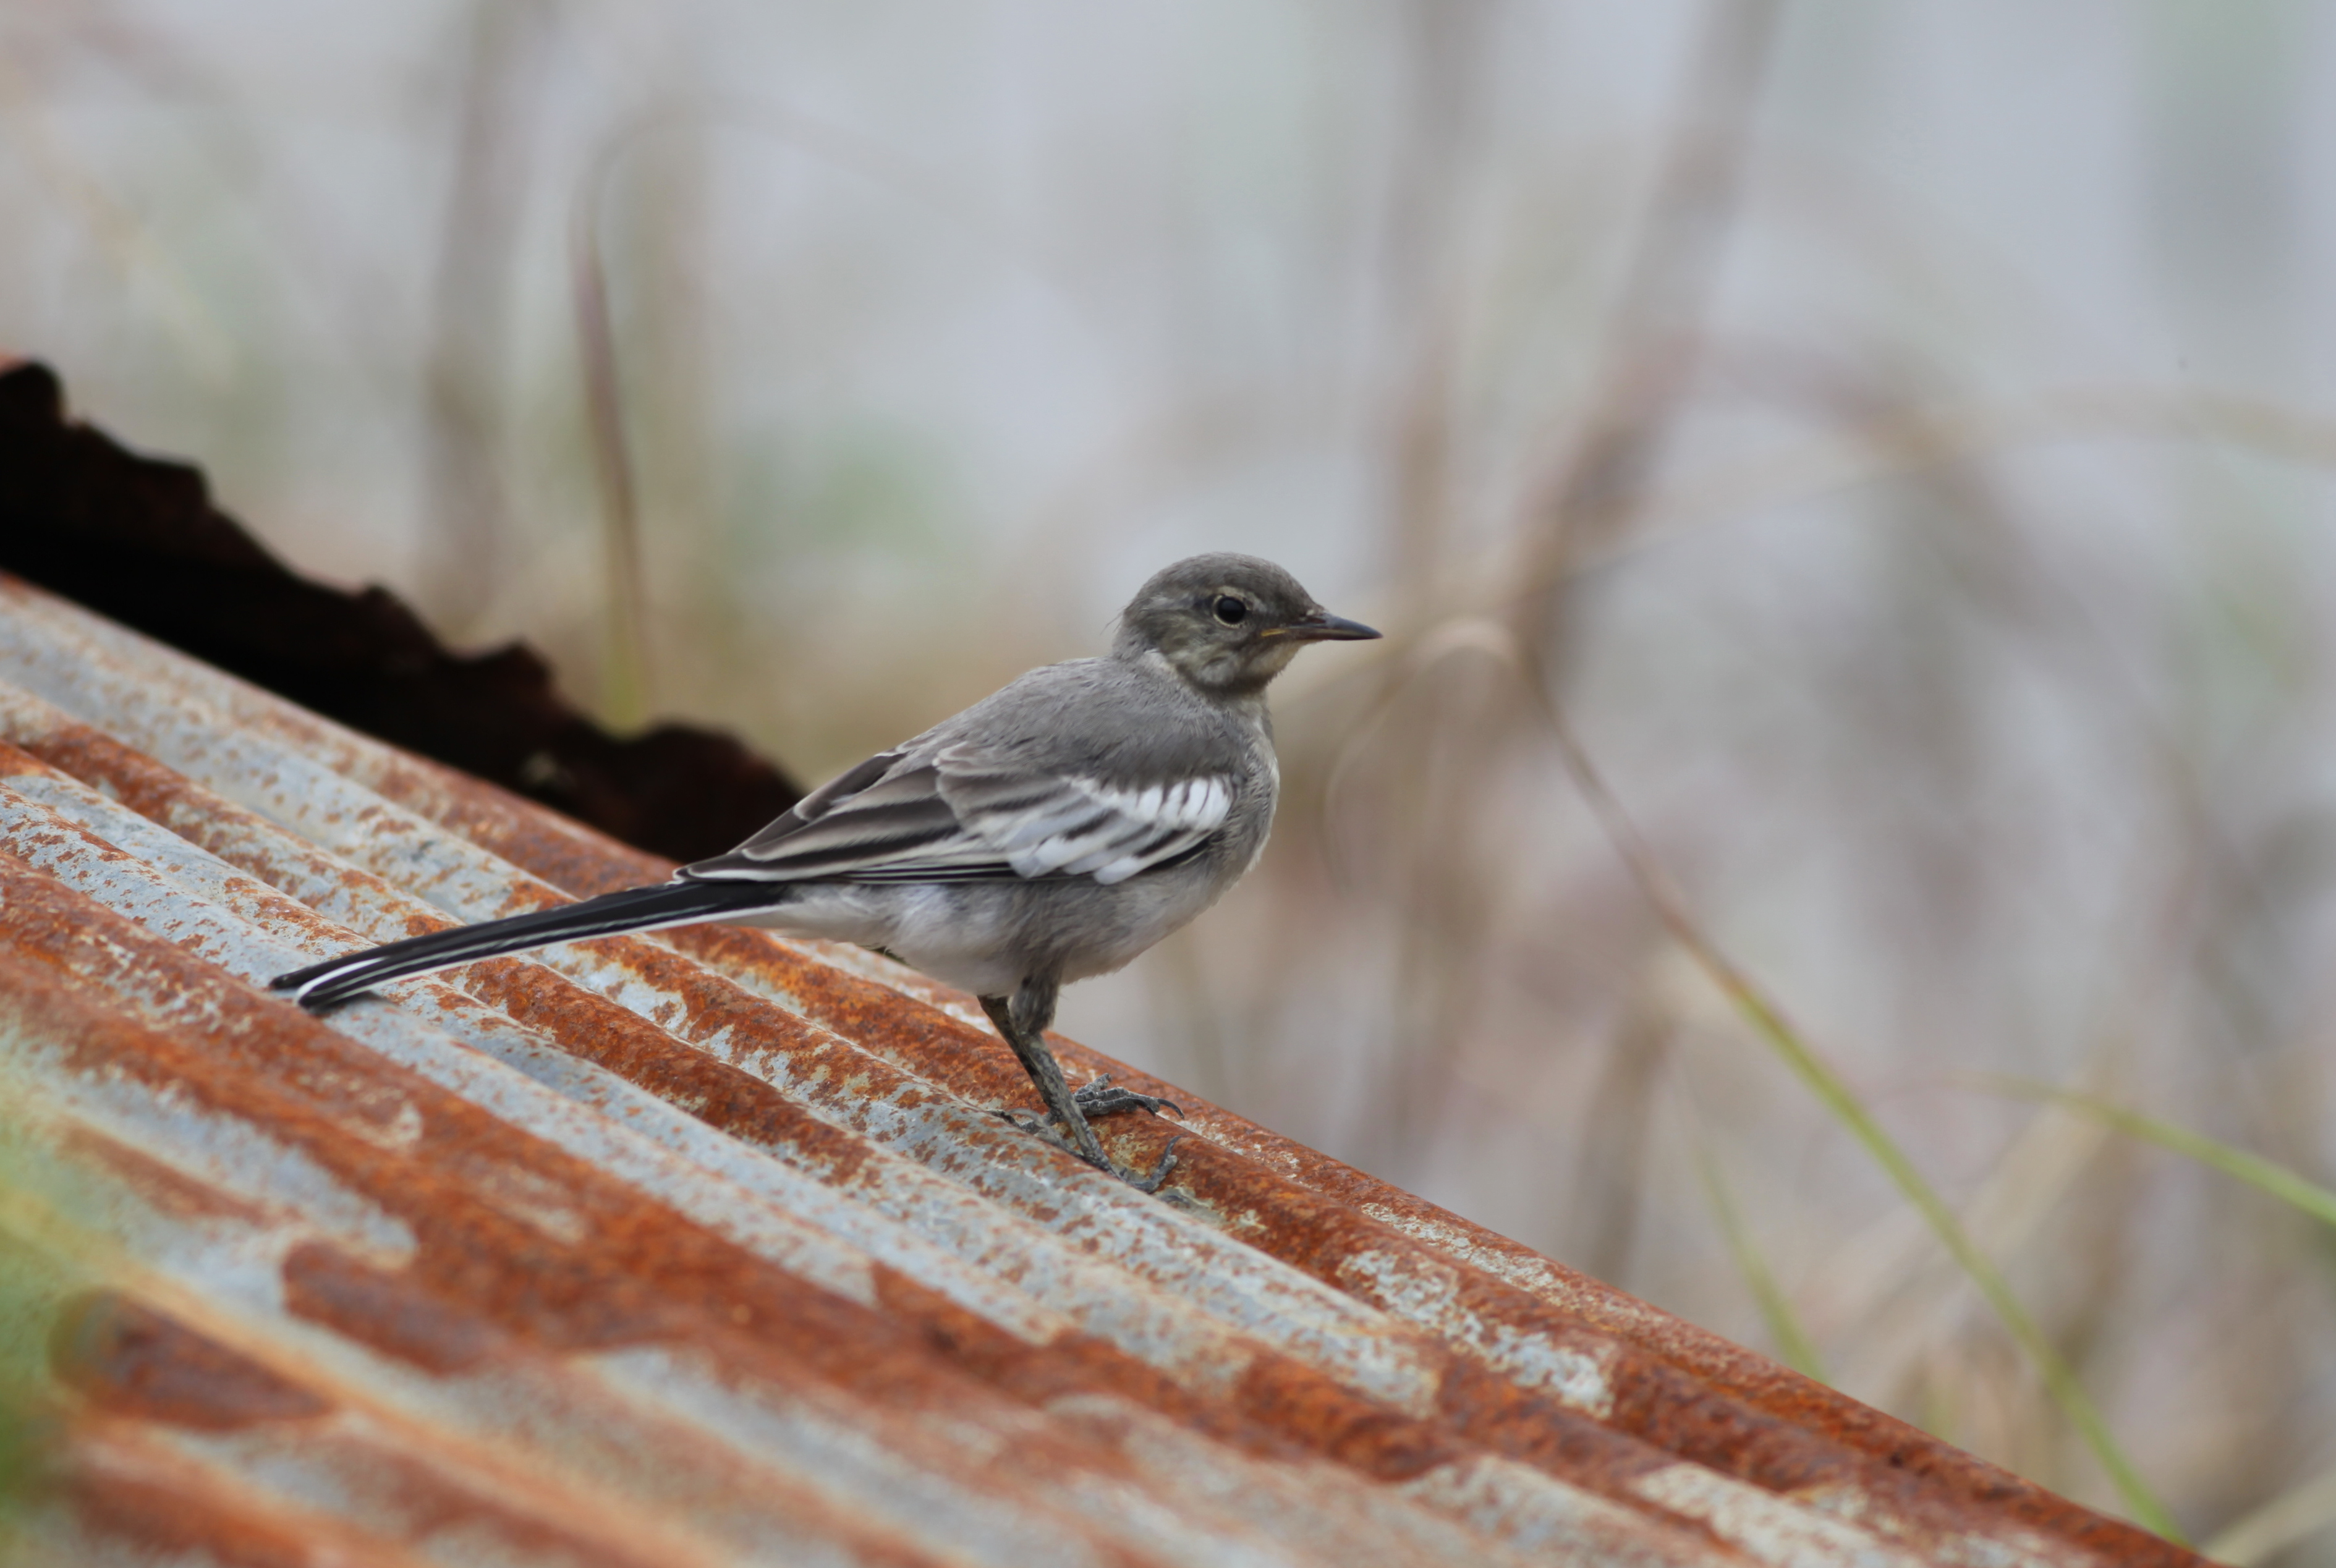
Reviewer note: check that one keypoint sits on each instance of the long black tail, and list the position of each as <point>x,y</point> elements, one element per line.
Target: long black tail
<point>675,903</point>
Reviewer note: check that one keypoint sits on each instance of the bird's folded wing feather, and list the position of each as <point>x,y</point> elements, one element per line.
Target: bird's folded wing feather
<point>958,814</point>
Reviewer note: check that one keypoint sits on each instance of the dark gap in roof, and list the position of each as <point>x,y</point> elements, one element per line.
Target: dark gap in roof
<point>137,540</point>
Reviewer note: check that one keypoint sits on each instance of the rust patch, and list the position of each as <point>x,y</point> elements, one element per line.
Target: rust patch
<point>390,1312</point>
<point>128,1359</point>
<point>164,1187</point>
<point>127,1487</point>
<point>569,856</point>
<point>1283,1395</point>
<point>621,1040</point>
<point>176,1522</point>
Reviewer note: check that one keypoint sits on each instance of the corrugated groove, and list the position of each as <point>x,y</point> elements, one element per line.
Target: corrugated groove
<point>715,1231</point>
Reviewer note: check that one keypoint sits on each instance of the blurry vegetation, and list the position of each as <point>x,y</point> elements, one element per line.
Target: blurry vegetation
<point>55,1215</point>
<point>32,1286</point>
<point>1895,439</point>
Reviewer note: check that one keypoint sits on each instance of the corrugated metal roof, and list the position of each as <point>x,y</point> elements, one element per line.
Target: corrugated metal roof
<point>702,1248</point>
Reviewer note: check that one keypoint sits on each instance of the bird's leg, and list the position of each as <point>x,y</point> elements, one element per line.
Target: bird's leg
<point>1023,1021</point>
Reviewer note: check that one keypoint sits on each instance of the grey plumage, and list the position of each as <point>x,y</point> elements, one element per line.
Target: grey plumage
<point>1051,831</point>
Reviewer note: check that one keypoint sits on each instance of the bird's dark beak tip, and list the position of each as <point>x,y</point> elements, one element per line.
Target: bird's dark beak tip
<point>1335,628</point>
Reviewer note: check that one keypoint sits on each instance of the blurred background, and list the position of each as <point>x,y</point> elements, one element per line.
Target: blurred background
<point>1897,434</point>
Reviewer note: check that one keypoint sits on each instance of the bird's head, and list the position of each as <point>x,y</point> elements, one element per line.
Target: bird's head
<point>1227,623</point>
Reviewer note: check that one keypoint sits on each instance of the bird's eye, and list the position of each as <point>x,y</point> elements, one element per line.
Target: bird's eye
<point>1230,610</point>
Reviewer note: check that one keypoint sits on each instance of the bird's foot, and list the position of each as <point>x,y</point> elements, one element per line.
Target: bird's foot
<point>1044,1131</point>
<point>1151,1183</point>
<point>1101,1098</point>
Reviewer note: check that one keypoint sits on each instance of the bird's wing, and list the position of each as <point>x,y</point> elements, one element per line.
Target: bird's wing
<point>962,812</point>
<point>1050,823</point>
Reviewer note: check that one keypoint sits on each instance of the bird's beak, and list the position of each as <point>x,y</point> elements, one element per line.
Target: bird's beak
<point>1320,625</point>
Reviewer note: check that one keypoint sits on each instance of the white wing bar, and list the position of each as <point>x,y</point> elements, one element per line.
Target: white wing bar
<point>1087,828</point>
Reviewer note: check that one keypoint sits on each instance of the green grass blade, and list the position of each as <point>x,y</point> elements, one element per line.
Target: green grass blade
<point>2059,1379</point>
<point>1792,1341</point>
<point>2253,1169</point>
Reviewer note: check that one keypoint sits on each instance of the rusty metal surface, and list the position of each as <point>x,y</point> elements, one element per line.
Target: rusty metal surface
<point>704,1248</point>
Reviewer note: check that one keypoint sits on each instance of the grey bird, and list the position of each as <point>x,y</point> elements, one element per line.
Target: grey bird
<point>1051,831</point>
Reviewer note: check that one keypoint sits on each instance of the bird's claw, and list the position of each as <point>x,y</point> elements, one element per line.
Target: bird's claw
<point>1044,1131</point>
<point>1151,1183</point>
<point>1101,1098</point>
<point>1037,1126</point>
